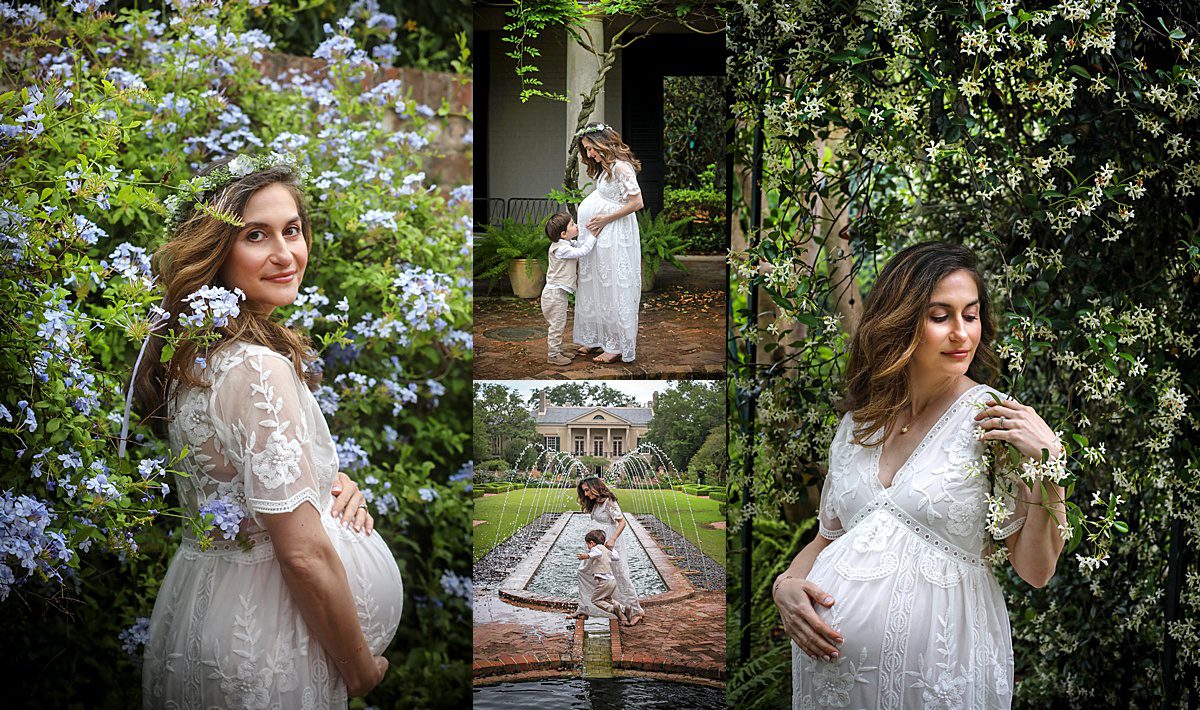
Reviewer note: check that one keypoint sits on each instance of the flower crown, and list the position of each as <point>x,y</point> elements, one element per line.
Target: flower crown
<point>592,129</point>
<point>191,192</point>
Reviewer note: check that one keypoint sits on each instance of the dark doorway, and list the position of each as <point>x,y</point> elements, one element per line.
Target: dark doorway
<point>643,67</point>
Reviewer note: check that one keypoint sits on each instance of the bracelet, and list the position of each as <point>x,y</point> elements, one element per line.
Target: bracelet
<point>779,580</point>
<point>345,661</point>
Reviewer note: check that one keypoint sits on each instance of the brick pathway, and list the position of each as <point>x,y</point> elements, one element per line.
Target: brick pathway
<point>681,333</point>
<point>685,639</point>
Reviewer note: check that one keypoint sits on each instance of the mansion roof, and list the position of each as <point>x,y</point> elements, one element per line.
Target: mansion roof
<point>634,416</point>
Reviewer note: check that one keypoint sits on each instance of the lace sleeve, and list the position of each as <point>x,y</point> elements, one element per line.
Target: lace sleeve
<point>829,524</point>
<point>626,179</point>
<point>1015,519</point>
<point>614,510</point>
<point>267,433</point>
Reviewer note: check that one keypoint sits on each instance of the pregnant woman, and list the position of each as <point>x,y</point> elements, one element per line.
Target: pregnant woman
<point>893,604</point>
<point>609,292</point>
<point>297,611</point>
<point>596,499</point>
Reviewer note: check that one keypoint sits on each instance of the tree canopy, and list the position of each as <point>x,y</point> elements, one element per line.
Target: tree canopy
<point>684,416</point>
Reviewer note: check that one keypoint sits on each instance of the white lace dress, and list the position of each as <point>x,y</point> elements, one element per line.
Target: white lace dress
<point>226,632</point>
<point>605,516</point>
<point>924,621</point>
<point>609,292</point>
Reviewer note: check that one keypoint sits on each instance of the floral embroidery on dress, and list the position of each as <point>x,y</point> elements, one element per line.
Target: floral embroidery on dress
<point>833,680</point>
<point>279,461</point>
<point>875,532</point>
<point>946,689</point>
<point>193,420</point>
<point>248,689</point>
<point>965,516</point>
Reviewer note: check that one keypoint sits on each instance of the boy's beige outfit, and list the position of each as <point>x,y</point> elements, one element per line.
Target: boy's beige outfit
<point>598,567</point>
<point>561,279</point>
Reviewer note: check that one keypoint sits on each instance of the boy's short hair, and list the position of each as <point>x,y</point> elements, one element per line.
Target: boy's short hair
<point>557,224</point>
<point>596,536</point>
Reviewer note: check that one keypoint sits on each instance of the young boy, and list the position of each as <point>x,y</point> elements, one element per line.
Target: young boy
<point>565,250</point>
<point>597,565</point>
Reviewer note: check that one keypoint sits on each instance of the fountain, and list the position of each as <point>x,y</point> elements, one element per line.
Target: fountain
<point>532,564</point>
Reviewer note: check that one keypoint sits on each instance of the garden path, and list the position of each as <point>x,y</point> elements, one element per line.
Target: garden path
<point>681,333</point>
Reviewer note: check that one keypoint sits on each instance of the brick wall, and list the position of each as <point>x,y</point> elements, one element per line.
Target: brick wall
<point>452,166</point>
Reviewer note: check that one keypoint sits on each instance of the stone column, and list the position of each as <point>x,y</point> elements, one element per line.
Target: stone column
<point>582,70</point>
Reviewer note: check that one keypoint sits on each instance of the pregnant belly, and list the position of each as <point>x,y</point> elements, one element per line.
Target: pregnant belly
<point>860,608</point>
<point>374,581</point>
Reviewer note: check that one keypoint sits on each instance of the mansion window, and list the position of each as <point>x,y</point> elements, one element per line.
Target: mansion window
<point>552,443</point>
<point>598,447</point>
<point>580,446</point>
<point>617,446</point>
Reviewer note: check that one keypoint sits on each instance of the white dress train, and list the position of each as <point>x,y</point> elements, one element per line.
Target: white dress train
<point>609,294</point>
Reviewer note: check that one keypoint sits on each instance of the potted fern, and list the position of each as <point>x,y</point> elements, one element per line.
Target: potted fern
<point>517,249</point>
<point>661,241</point>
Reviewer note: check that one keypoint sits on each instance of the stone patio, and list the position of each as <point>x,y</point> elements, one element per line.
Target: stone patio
<point>681,333</point>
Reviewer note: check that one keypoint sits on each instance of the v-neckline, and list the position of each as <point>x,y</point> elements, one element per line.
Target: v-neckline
<point>920,446</point>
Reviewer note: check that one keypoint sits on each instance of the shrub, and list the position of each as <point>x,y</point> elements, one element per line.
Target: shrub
<point>1055,140</point>
<point>113,111</point>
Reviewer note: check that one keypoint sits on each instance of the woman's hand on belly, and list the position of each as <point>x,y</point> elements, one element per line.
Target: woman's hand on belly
<point>349,505</point>
<point>796,599</point>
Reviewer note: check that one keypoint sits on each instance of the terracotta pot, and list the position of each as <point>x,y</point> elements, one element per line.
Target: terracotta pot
<point>648,278</point>
<point>526,284</point>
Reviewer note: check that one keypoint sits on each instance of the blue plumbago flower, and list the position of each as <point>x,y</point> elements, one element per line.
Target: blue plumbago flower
<point>57,329</point>
<point>87,230</point>
<point>124,79</point>
<point>462,195</point>
<point>436,389</point>
<point>180,106</point>
<point>465,473</point>
<point>101,486</point>
<point>425,111</point>
<point>328,399</point>
<point>307,304</point>
<point>379,218</point>
<point>151,468</point>
<point>213,306</point>
<point>424,296</point>
<point>133,638</point>
<point>385,54</point>
<point>428,494</point>
<point>227,515</point>
<point>5,414</point>
<point>351,456</point>
<point>25,544</point>
<point>82,6</point>
<point>129,261</point>
<point>412,139</point>
<point>459,586</point>
<point>410,181</point>
<point>25,16</point>
<point>31,422</point>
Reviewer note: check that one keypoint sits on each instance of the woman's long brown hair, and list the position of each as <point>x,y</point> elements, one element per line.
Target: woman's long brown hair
<point>893,323</point>
<point>190,260</point>
<point>611,148</point>
<point>597,485</point>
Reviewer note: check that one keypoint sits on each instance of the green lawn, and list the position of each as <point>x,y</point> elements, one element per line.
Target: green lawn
<point>543,500</point>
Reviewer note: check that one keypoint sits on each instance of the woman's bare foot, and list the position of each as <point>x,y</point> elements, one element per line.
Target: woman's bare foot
<point>606,358</point>
<point>584,350</point>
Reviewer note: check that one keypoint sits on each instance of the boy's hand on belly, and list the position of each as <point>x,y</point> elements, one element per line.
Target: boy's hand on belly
<point>797,599</point>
